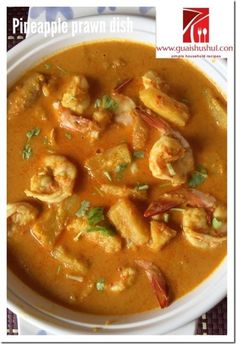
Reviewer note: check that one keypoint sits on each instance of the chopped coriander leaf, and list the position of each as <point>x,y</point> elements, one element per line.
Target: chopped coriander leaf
<point>95,215</point>
<point>68,136</point>
<point>198,176</point>
<point>216,224</point>
<point>61,69</point>
<point>106,102</point>
<point>83,209</point>
<point>47,65</point>
<point>120,168</point>
<point>98,103</point>
<point>33,132</point>
<point>119,177</point>
<point>100,284</point>
<point>138,154</point>
<point>166,217</point>
<point>141,186</point>
<point>45,140</point>
<point>170,169</point>
<point>106,229</point>
<point>58,269</point>
<point>107,174</point>
<point>202,170</point>
<point>27,151</point>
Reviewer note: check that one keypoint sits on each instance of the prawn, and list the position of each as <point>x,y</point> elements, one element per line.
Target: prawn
<point>124,110</point>
<point>73,122</point>
<point>20,214</point>
<point>155,98</point>
<point>77,98</point>
<point>204,218</point>
<point>171,156</point>
<point>55,180</point>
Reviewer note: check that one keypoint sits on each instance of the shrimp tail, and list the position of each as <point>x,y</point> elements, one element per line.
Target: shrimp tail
<point>161,206</point>
<point>153,121</point>
<point>157,280</point>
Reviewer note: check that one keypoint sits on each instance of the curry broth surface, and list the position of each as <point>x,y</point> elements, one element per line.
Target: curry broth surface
<point>183,265</point>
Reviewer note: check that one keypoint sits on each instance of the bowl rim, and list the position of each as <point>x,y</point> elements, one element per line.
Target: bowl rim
<point>217,278</point>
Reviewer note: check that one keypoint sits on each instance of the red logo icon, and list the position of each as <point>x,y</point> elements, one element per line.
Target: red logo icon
<point>196,25</point>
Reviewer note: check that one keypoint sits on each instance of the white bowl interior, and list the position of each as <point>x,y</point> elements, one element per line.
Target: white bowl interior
<point>57,319</point>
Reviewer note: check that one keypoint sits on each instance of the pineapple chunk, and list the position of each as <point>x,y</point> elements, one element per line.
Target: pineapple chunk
<point>165,106</point>
<point>68,261</point>
<point>127,220</point>
<point>217,109</point>
<point>123,191</point>
<point>161,234</point>
<point>109,243</point>
<point>49,226</point>
<point>108,160</point>
<point>139,134</point>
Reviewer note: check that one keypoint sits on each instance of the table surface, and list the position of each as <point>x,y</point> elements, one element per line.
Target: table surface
<point>214,322</point>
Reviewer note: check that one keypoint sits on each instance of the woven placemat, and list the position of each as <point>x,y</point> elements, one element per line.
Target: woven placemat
<point>12,325</point>
<point>213,322</point>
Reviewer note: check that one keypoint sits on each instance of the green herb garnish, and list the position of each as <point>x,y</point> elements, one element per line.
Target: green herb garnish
<point>106,102</point>
<point>170,169</point>
<point>95,215</point>
<point>138,154</point>
<point>27,151</point>
<point>198,176</point>
<point>120,168</point>
<point>68,136</point>
<point>33,132</point>
<point>61,69</point>
<point>98,103</point>
<point>166,217</point>
<point>141,186</point>
<point>216,224</point>
<point>106,230</point>
<point>47,65</point>
<point>100,284</point>
<point>107,174</point>
<point>83,209</point>
<point>45,140</point>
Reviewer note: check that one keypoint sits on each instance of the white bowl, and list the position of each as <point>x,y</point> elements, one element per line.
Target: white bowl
<point>57,319</point>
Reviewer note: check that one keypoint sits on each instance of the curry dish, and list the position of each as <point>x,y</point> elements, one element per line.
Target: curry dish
<point>116,178</point>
